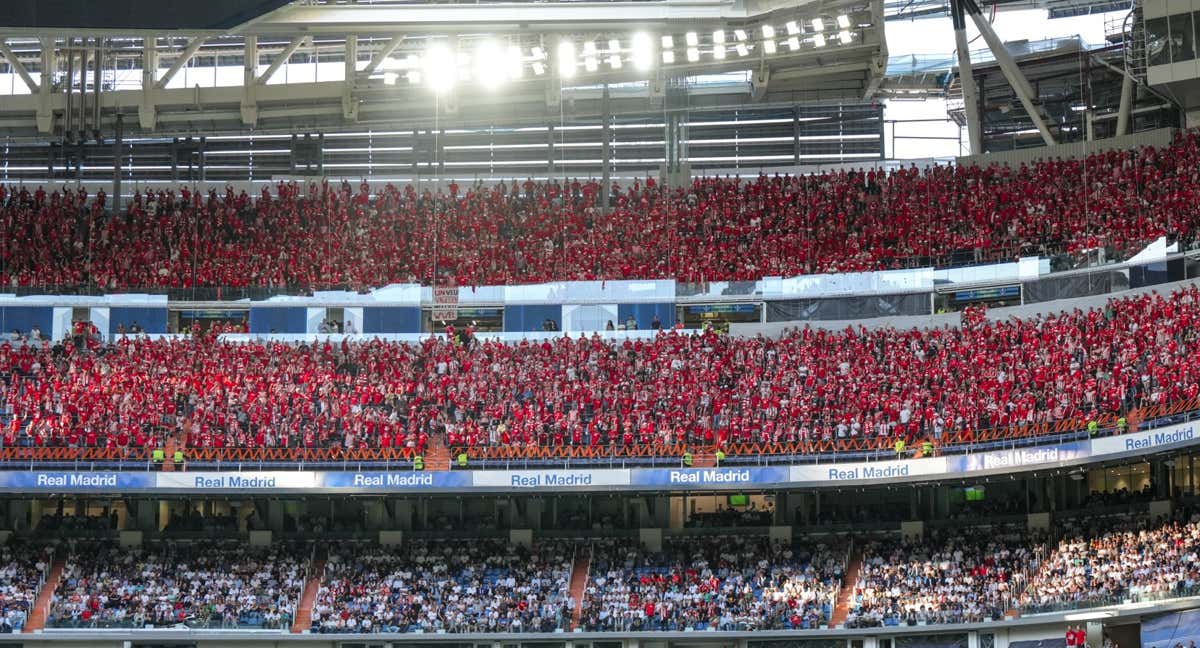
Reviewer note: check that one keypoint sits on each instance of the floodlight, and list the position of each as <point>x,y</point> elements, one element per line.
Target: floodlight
<point>614,47</point>
<point>793,28</point>
<point>845,36</point>
<point>843,21</point>
<point>512,62</point>
<point>491,67</point>
<point>719,37</point>
<point>413,63</point>
<point>793,43</point>
<point>819,40</point>
<point>668,41</point>
<point>769,46</point>
<point>719,52</point>
<point>742,50</point>
<point>692,39</point>
<point>566,59</point>
<point>668,56</point>
<point>693,54</point>
<point>818,24</point>
<point>768,31</point>
<point>441,70</point>
<point>643,51</point>
<point>739,34</point>
<point>589,56</point>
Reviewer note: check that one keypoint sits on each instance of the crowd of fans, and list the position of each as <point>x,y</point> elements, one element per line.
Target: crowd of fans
<point>446,586</point>
<point>877,385</point>
<point>22,568</point>
<point>719,583</point>
<point>527,232</point>
<point>197,585</point>
<point>963,577</point>
<point>1134,560</point>
<point>745,582</point>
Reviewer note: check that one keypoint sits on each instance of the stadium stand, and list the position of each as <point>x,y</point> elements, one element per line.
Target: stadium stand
<point>957,579</point>
<point>22,569</point>
<point>218,585</point>
<point>809,392</point>
<point>720,583</point>
<point>527,232</point>
<point>745,582</point>
<point>446,586</point>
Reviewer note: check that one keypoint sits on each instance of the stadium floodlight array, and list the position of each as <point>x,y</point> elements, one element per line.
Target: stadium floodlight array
<point>441,65</point>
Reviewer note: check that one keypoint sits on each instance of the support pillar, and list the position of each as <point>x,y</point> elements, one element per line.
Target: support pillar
<point>147,113</point>
<point>605,150</point>
<point>249,105</point>
<point>550,152</point>
<point>118,137</point>
<point>45,109</point>
<point>1126,106</point>
<point>1008,66</point>
<point>966,78</point>
<point>349,106</point>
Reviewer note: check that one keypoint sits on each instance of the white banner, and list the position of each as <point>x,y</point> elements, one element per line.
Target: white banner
<point>1142,441</point>
<point>869,471</point>
<point>237,481</point>
<point>445,303</point>
<point>551,478</point>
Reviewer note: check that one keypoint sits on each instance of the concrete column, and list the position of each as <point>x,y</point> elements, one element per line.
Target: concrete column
<point>966,78</point>
<point>19,515</point>
<point>605,149</point>
<point>533,513</point>
<point>147,515</point>
<point>275,515</point>
<point>147,111</point>
<point>403,509</point>
<point>1011,71</point>
<point>249,104</point>
<point>1126,106</point>
<point>45,108</point>
<point>349,106</point>
<point>783,512</point>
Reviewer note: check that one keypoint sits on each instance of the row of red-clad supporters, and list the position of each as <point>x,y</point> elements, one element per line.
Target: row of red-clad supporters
<point>855,385</point>
<point>746,582</point>
<point>526,232</point>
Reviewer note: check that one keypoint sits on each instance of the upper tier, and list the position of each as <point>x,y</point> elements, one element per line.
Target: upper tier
<point>526,232</point>
<point>809,391</point>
